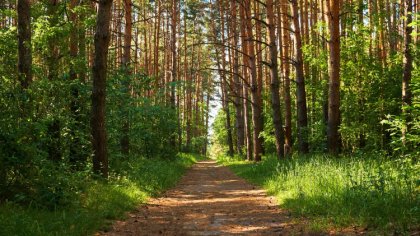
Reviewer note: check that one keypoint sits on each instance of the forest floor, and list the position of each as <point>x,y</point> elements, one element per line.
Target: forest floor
<point>211,200</point>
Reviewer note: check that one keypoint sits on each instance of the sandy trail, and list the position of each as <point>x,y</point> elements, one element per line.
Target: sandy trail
<point>209,200</point>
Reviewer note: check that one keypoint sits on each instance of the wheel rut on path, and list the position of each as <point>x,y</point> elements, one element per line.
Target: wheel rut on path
<point>209,200</point>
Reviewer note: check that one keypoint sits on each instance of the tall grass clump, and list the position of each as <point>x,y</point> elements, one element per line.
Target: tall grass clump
<point>98,202</point>
<point>364,190</point>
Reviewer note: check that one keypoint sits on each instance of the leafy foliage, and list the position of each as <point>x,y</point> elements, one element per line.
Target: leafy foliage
<point>96,202</point>
<point>45,146</point>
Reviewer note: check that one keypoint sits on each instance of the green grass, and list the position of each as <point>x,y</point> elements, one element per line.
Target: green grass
<point>364,191</point>
<point>100,203</point>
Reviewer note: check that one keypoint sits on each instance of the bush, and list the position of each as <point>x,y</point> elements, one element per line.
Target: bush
<point>94,202</point>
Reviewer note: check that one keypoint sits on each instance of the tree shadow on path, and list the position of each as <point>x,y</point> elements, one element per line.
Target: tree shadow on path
<point>210,200</point>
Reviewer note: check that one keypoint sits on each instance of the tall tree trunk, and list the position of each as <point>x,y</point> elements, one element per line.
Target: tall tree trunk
<point>52,57</point>
<point>259,66</point>
<point>257,120</point>
<point>247,123</point>
<point>188,89</point>
<point>75,156</point>
<point>125,139</point>
<point>174,51</point>
<point>225,101</point>
<point>334,80</point>
<point>237,83</point>
<point>53,53</point>
<point>24,42</point>
<point>157,37</point>
<point>324,76</point>
<point>286,73</point>
<point>174,70</point>
<point>73,39</point>
<point>82,45</point>
<point>408,67</point>
<point>275,96</point>
<point>99,73</point>
<point>302,115</point>
<point>224,83</point>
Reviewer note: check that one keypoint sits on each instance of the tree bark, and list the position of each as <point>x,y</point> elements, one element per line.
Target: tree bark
<point>408,68</point>
<point>125,139</point>
<point>52,63</point>
<point>99,73</point>
<point>24,42</point>
<point>157,37</point>
<point>75,156</point>
<point>256,100</point>
<point>286,73</point>
<point>82,45</point>
<point>302,115</point>
<point>174,70</point>
<point>275,95</point>
<point>73,40</point>
<point>224,82</point>
<point>188,89</point>
<point>237,83</point>
<point>53,54</point>
<point>174,51</point>
<point>247,123</point>
<point>334,80</point>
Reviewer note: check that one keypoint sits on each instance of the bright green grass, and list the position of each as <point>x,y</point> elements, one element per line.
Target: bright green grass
<point>365,191</point>
<point>100,203</point>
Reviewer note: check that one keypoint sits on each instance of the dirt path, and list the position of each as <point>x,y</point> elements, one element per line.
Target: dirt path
<point>209,200</point>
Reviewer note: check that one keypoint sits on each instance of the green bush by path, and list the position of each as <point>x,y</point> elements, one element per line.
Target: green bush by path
<point>99,203</point>
<point>366,190</point>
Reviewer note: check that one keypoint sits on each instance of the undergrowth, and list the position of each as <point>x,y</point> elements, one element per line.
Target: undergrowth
<point>99,202</point>
<point>367,191</point>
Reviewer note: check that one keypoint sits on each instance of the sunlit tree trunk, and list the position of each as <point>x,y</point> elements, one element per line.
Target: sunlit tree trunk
<point>285,60</point>
<point>257,120</point>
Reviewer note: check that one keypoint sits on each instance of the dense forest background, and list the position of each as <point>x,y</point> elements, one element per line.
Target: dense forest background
<point>348,77</point>
<point>88,90</point>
